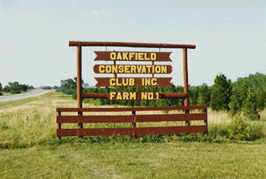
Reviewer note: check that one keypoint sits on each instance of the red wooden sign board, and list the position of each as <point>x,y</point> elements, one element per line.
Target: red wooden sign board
<point>132,69</point>
<point>132,56</point>
<point>132,82</point>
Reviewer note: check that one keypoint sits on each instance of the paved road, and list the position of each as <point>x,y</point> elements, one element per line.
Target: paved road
<point>25,95</point>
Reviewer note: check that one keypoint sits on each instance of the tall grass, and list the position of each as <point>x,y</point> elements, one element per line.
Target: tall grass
<point>32,121</point>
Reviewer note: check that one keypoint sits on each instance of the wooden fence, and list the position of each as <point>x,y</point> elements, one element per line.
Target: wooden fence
<point>134,118</point>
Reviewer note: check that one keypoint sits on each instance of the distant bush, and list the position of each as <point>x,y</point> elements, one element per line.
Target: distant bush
<point>15,92</point>
<point>68,91</point>
<point>74,95</point>
<point>6,89</point>
<point>97,102</point>
<point>46,87</point>
<point>87,100</point>
<point>238,129</point>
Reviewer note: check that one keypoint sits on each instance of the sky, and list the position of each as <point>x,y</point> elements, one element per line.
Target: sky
<point>230,37</point>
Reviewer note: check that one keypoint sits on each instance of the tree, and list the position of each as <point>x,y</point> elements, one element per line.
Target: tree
<point>244,91</point>
<point>257,81</point>
<point>194,93</point>
<point>0,86</point>
<point>46,87</point>
<point>250,107</point>
<point>204,95</point>
<point>75,79</point>
<point>14,87</point>
<point>220,93</point>
<point>235,104</point>
<point>260,99</point>
<point>23,87</point>
<point>7,88</point>
<point>69,84</point>
<point>30,87</point>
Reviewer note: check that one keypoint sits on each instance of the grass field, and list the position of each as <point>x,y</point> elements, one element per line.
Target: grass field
<point>29,148</point>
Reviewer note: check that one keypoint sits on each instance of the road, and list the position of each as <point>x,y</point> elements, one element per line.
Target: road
<point>25,95</point>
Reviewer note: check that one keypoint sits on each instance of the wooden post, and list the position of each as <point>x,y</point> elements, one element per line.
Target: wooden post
<point>59,124</point>
<point>152,63</point>
<point>206,122</point>
<point>134,125</point>
<point>79,92</point>
<point>115,75</point>
<point>185,72</point>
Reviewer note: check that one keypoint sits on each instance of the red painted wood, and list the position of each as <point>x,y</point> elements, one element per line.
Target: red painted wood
<point>130,109</point>
<point>130,131</point>
<point>170,130</point>
<point>105,56</point>
<point>107,95</point>
<point>130,44</point>
<point>95,119</point>
<point>96,69</point>
<point>95,132</point>
<point>130,118</point>
<point>105,82</point>
<point>170,117</point>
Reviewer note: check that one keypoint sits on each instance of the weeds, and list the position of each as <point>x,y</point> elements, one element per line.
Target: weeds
<point>32,121</point>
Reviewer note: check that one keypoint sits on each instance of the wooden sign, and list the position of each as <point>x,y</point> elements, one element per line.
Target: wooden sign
<point>134,96</point>
<point>133,69</point>
<point>130,82</point>
<point>133,56</point>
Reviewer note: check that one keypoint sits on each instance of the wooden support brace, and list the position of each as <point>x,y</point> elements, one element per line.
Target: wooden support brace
<point>134,137</point>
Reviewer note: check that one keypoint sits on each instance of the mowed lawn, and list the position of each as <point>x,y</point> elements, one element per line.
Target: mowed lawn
<point>29,149</point>
<point>135,160</point>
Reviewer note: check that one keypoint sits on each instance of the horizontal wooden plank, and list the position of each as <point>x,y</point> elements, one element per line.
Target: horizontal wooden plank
<point>132,56</point>
<point>131,131</point>
<point>170,117</point>
<point>96,132</point>
<point>130,82</point>
<point>95,119</point>
<point>130,109</point>
<point>130,118</point>
<point>130,44</point>
<point>173,95</point>
<point>170,130</point>
<point>95,95</point>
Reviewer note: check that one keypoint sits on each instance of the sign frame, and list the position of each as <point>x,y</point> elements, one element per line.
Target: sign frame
<point>80,44</point>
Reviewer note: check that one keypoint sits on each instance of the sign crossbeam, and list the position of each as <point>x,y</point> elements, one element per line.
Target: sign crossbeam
<point>130,44</point>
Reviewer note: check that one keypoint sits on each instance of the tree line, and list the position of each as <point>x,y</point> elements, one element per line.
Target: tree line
<point>246,95</point>
<point>15,87</point>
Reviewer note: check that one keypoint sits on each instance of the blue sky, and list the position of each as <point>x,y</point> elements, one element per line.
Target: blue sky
<point>230,37</point>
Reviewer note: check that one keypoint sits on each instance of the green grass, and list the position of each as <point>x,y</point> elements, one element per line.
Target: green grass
<point>135,160</point>
<point>29,148</point>
<point>18,102</point>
